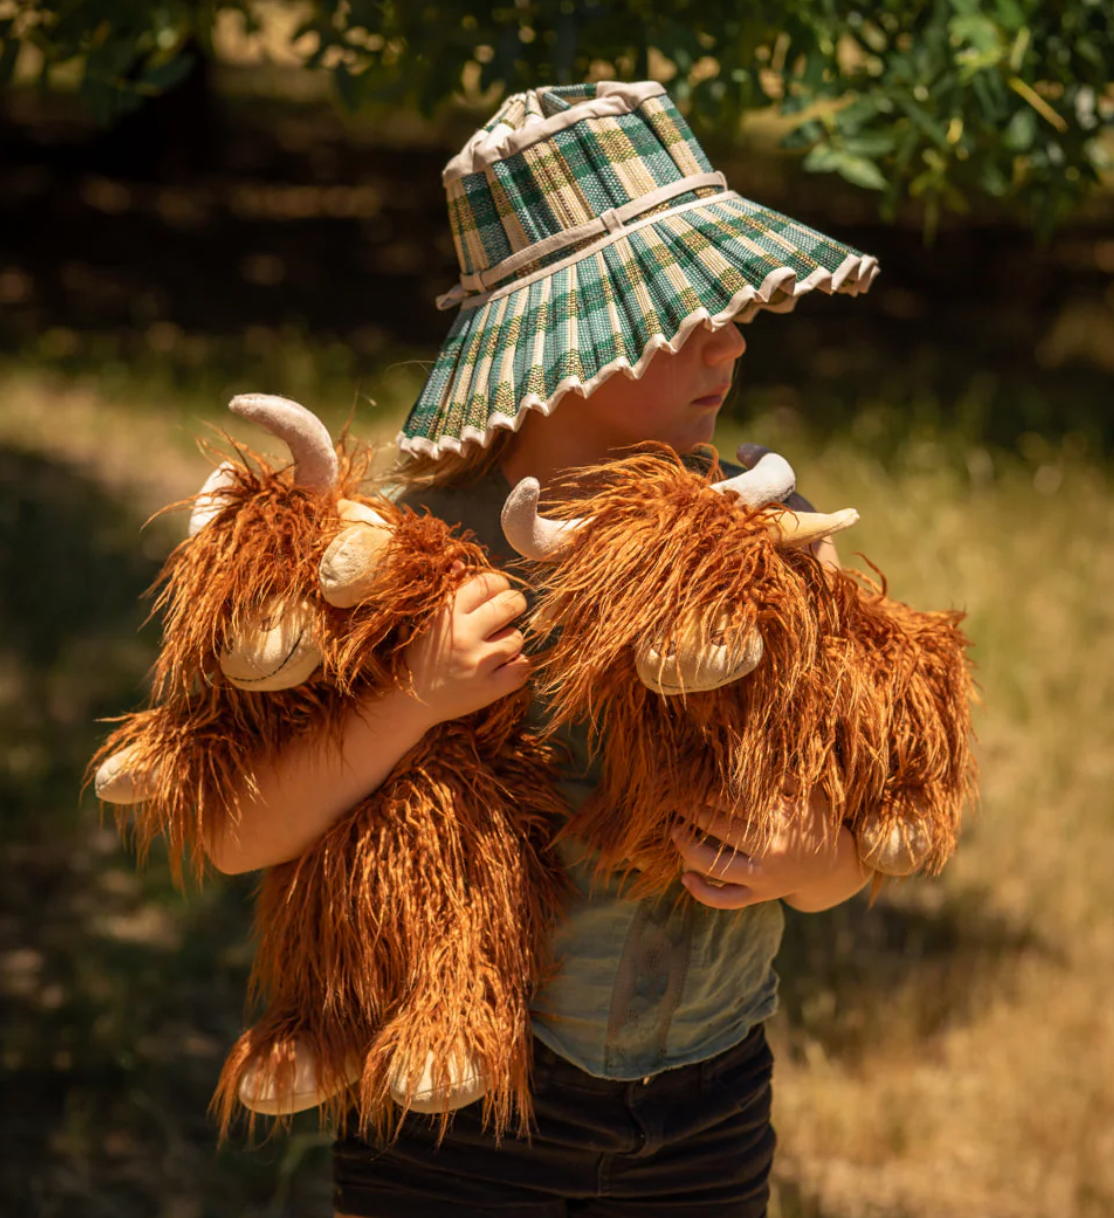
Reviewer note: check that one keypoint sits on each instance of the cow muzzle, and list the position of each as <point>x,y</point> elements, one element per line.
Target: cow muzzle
<point>273,649</point>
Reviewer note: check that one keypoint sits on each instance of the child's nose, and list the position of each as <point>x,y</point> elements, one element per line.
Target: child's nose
<point>726,343</point>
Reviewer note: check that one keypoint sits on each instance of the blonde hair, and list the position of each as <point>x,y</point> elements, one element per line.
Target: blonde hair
<point>452,470</point>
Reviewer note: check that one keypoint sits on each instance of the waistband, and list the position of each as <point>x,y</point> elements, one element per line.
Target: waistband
<point>550,1066</point>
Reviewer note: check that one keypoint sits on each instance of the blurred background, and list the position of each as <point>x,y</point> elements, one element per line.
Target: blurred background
<point>199,200</point>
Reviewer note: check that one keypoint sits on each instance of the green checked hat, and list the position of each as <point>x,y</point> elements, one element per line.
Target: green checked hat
<point>591,232</point>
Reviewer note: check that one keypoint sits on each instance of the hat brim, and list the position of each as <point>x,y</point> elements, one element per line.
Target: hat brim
<point>608,309</point>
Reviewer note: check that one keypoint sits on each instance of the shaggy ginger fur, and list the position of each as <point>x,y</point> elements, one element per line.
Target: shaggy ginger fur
<point>418,926</point>
<point>856,694</point>
<point>201,736</point>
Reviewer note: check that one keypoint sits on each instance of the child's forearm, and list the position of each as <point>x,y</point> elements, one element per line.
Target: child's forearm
<point>468,658</point>
<point>315,781</point>
<point>846,877</point>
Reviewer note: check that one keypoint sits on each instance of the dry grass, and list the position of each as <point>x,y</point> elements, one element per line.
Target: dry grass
<point>950,1051</point>
<point>145,448</point>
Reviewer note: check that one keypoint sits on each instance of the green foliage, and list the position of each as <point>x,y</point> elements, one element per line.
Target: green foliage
<point>946,101</point>
<point>127,51</point>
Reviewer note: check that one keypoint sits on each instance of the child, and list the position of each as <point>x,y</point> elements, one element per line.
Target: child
<point>603,266</point>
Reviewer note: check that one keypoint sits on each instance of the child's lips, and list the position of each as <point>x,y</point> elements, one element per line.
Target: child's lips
<point>712,399</point>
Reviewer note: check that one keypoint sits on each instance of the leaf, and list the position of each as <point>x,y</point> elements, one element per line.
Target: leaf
<point>990,94</point>
<point>802,136</point>
<point>1020,131</point>
<point>106,101</point>
<point>922,119</point>
<point>918,67</point>
<point>1010,15</point>
<point>162,77</point>
<point>1086,49</point>
<point>979,33</point>
<point>870,144</point>
<point>859,112</point>
<point>992,179</point>
<point>821,159</point>
<point>910,139</point>
<point>347,87</point>
<point>925,183</point>
<point>860,171</point>
<point>983,48</point>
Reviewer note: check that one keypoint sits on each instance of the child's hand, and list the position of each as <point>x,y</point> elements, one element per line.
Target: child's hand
<point>471,655</point>
<point>806,864</point>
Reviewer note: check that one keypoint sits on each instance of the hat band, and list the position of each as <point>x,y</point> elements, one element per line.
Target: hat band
<point>475,299</point>
<point>611,222</point>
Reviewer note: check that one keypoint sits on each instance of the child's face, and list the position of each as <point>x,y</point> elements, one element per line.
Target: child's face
<point>677,399</point>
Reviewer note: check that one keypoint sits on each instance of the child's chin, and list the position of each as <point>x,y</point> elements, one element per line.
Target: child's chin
<point>701,432</point>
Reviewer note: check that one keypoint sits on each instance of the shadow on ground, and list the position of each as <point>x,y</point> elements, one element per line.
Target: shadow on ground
<point>918,961</point>
<point>120,997</point>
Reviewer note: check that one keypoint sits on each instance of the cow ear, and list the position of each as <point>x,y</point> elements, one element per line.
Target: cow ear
<point>211,500</point>
<point>897,848</point>
<point>273,649</point>
<point>350,565</point>
<point>119,780</point>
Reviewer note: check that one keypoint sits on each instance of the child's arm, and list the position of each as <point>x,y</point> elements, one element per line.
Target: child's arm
<point>471,657</point>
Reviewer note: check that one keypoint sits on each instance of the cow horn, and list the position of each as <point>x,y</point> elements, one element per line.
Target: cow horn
<point>534,536</point>
<point>209,501</point>
<point>770,480</point>
<point>311,446</point>
<point>801,524</point>
<point>791,528</point>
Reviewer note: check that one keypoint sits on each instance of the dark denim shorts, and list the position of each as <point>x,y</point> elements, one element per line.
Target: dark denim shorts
<point>695,1142</point>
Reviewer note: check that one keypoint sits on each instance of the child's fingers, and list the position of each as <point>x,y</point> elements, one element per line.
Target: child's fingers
<point>480,588</point>
<point>729,829</point>
<point>498,612</point>
<point>717,822</point>
<point>718,896</point>
<point>713,859</point>
<point>501,648</point>
<point>825,550</point>
<point>512,675</point>
<point>510,630</point>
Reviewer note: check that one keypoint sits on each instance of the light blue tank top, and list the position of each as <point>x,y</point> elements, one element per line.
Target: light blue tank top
<point>642,986</point>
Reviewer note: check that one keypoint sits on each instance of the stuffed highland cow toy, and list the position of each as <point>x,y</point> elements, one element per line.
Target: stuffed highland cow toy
<point>717,661</point>
<point>397,957</point>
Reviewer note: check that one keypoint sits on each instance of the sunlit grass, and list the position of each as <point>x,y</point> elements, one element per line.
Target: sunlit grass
<point>110,417</point>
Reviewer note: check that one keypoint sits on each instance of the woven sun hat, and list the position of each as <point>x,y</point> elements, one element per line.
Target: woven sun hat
<point>592,232</point>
